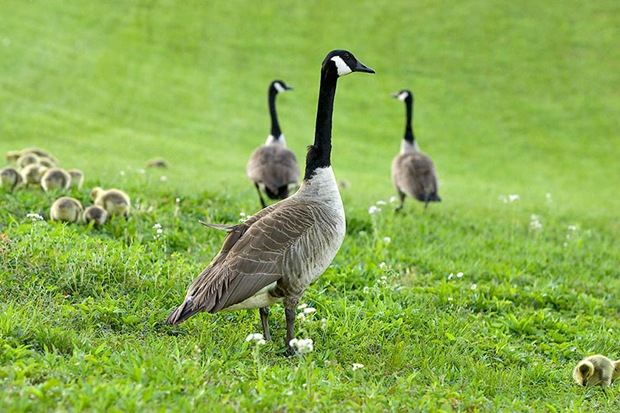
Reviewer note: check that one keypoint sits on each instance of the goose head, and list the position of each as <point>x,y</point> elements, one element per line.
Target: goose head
<point>403,95</point>
<point>343,62</point>
<point>584,372</point>
<point>279,86</point>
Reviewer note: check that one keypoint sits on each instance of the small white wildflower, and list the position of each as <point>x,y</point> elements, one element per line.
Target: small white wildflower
<point>160,231</point>
<point>474,286</point>
<point>302,345</point>
<point>459,274</point>
<point>572,228</point>
<point>565,244</point>
<point>387,240</point>
<point>122,173</point>
<point>157,226</point>
<point>450,276</point>
<point>382,264</point>
<point>393,199</point>
<point>241,214</point>
<point>450,298</point>
<point>301,316</point>
<point>141,171</point>
<point>535,222</point>
<point>163,178</point>
<point>366,290</point>
<point>503,198</point>
<point>257,337</point>
<point>177,200</point>
<point>309,310</point>
<point>302,306</point>
<point>373,209</point>
<point>357,366</point>
<point>513,197</point>
<point>323,320</point>
<point>35,217</point>
<point>381,203</point>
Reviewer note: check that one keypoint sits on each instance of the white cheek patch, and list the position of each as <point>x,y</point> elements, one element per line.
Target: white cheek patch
<point>343,68</point>
<point>402,96</point>
<point>279,87</point>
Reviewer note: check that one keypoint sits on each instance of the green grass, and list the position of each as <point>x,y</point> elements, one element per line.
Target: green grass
<point>510,99</point>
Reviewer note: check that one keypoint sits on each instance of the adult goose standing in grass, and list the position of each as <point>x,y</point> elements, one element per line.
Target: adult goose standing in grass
<point>272,166</point>
<point>275,254</point>
<point>413,172</point>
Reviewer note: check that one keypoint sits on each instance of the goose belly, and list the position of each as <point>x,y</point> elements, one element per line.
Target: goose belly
<point>262,298</point>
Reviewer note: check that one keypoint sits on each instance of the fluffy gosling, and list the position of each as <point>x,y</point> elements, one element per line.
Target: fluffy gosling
<point>115,201</point>
<point>157,163</point>
<point>596,370</point>
<point>55,178</point>
<point>66,209</point>
<point>10,178</point>
<point>13,156</point>
<point>77,178</point>
<point>95,214</point>
<point>27,158</point>
<point>32,173</point>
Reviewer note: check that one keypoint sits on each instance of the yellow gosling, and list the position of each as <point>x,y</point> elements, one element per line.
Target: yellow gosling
<point>115,201</point>
<point>55,178</point>
<point>10,178</point>
<point>596,370</point>
<point>77,178</point>
<point>66,209</point>
<point>95,214</point>
<point>32,173</point>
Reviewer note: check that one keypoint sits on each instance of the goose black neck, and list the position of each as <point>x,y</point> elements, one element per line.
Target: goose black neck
<point>409,136</point>
<point>275,126</point>
<point>319,154</point>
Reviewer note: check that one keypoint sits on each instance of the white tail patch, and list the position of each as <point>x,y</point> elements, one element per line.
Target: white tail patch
<point>272,140</point>
<point>343,68</point>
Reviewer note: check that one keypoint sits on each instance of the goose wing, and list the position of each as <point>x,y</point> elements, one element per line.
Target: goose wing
<point>253,256</point>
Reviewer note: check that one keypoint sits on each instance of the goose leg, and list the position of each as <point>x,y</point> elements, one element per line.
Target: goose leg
<point>401,195</point>
<point>264,315</point>
<point>260,196</point>
<point>290,328</point>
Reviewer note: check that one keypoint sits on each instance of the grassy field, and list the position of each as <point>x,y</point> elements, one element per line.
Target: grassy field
<point>478,304</point>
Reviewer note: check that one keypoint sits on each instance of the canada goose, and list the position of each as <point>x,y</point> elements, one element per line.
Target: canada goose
<point>157,163</point>
<point>413,172</point>
<point>114,201</point>
<point>55,178</point>
<point>32,173</point>
<point>66,209</point>
<point>275,254</point>
<point>10,177</point>
<point>272,166</point>
<point>77,178</point>
<point>27,159</point>
<point>595,370</point>
<point>96,214</point>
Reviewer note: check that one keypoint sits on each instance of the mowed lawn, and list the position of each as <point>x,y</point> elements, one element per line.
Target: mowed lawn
<point>483,302</point>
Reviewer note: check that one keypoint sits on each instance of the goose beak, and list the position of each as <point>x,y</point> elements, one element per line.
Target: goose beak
<point>395,95</point>
<point>289,87</point>
<point>361,67</point>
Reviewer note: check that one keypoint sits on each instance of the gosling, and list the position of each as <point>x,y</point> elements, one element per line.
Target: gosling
<point>66,209</point>
<point>95,214</point>
<point>114,201</point>
<point>28,158</point>
<point>596,370</point>
<point>55,178</point>
<point>77,178</point>
<point>32,173</point>
<point>157,163</point>
<point>10,178</point>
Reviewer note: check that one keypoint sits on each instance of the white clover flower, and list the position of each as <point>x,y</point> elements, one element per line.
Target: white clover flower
<point>382,264</point>
<point>163,178</point>
<point>572,228</point>
<point>177,200</point>
<point>387,240</point>
<point>257,338</point>
<point>157,226</point>
<point>309,310</point>
<point>241,214</point>
<point>302,345</point>
<point>450,298</point>
<point>459,274</point>
<point>122,173</point>
<point>392,199</point>
<point>302,306</point>
<point>381,203</point>
<point>301,316</point>
<point>474,286</point>
<point>373,209</point>
<point>366,290</point>
<point>513,197</point>
<point>450,276</point>
<point>160,231</point>
<point>357,366</point>
<point>535,222</point>
<point>35,217</point>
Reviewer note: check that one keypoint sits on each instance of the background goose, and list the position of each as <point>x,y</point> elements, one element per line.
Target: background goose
<point>55,178</point>
<point>66,209</point>
<point>275,254</point>
<point>272,166</point>
<point>10,177</point>
<point>77,178</point>
<point>413,172</point>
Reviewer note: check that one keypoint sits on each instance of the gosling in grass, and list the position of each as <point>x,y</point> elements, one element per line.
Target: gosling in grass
<point>55,178</point>
<point>95,214</point>
<point>10,178</point>
<point>13,156</point>
<point>114,201</point>
<point>32,173</point>
<point>157,163</point>
<point>77,178</point>
<point>66,209</point>
<point>26,159</point>
<point>596,370</point>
